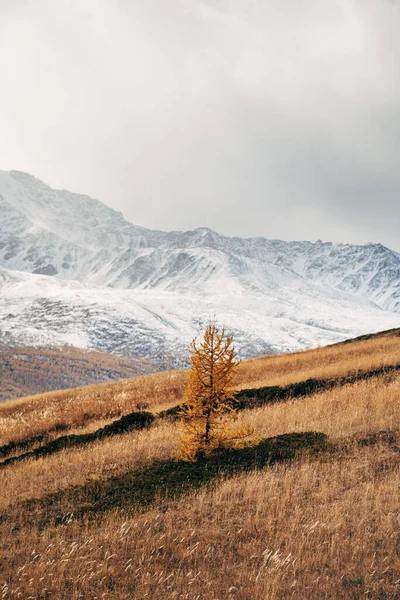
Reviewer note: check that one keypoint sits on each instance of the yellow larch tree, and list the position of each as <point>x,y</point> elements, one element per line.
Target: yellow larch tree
<point>207,414</point>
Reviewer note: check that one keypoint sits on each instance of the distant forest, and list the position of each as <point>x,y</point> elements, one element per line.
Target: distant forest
<point>26,371</point>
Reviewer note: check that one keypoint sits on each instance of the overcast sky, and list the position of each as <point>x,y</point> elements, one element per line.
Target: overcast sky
<point>278,118</point>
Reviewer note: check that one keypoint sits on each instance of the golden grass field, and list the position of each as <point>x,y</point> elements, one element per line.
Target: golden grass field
<point>322,525</point>
<point>87,406</point>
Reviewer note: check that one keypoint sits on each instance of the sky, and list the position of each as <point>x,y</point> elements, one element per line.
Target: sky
<point>275,118</point>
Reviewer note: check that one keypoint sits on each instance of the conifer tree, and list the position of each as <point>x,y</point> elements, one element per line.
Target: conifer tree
<point>209,408</point>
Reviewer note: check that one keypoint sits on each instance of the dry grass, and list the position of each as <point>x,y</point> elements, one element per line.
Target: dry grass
<point>324,527</point>
<point>363,407</point>
<point>367,406</point>
<point>74,466</point>
<point>306,530</point>
<point>26,417</point>
<point>322,363</point>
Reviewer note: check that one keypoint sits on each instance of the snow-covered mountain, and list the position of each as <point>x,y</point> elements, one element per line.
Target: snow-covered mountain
<point>113,285</point>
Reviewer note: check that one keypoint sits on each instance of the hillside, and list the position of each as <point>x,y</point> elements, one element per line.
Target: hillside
<point>27,370</point>
<point>74,271</point>
<point>90,509</point>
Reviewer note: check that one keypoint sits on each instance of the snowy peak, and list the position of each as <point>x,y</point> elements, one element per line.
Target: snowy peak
<point>74,271</point>
<point>72,217</point>
<point>74,237</point>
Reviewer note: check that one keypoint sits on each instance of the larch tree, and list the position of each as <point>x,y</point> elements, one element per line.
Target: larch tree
<point>207,414</point>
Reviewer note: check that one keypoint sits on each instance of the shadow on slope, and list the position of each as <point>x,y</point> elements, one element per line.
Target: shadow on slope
<point>242,400</point>
<point>164,480</point>
<point>257,397</point>
<point>132,421</point>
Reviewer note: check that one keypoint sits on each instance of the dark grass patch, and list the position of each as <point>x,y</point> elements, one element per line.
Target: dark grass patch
<point>164,480</point>
<point>257,397</point>
<point>253,398</point>
<point>13,447</point>
<point>242,400</point>
<point>161,481</point>
<point>386,437</point>
<point>130,422</point>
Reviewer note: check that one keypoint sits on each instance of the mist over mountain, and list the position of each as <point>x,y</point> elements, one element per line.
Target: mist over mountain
<point>75,271</point>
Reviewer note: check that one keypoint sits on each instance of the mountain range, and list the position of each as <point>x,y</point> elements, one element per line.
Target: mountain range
<point>74,271</point>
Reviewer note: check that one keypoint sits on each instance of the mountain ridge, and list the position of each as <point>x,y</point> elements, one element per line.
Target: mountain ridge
<point>159,287</point>
<point>98,246</point>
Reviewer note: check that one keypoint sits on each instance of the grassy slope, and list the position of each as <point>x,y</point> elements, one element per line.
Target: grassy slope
<point>88,408</point>
<point>325,525</point>
<point>26,370</point>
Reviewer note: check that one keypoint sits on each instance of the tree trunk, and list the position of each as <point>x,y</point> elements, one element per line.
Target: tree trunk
<point>207,435</point>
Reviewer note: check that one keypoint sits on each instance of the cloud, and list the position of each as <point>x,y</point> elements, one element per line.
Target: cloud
<point>254,118</point>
